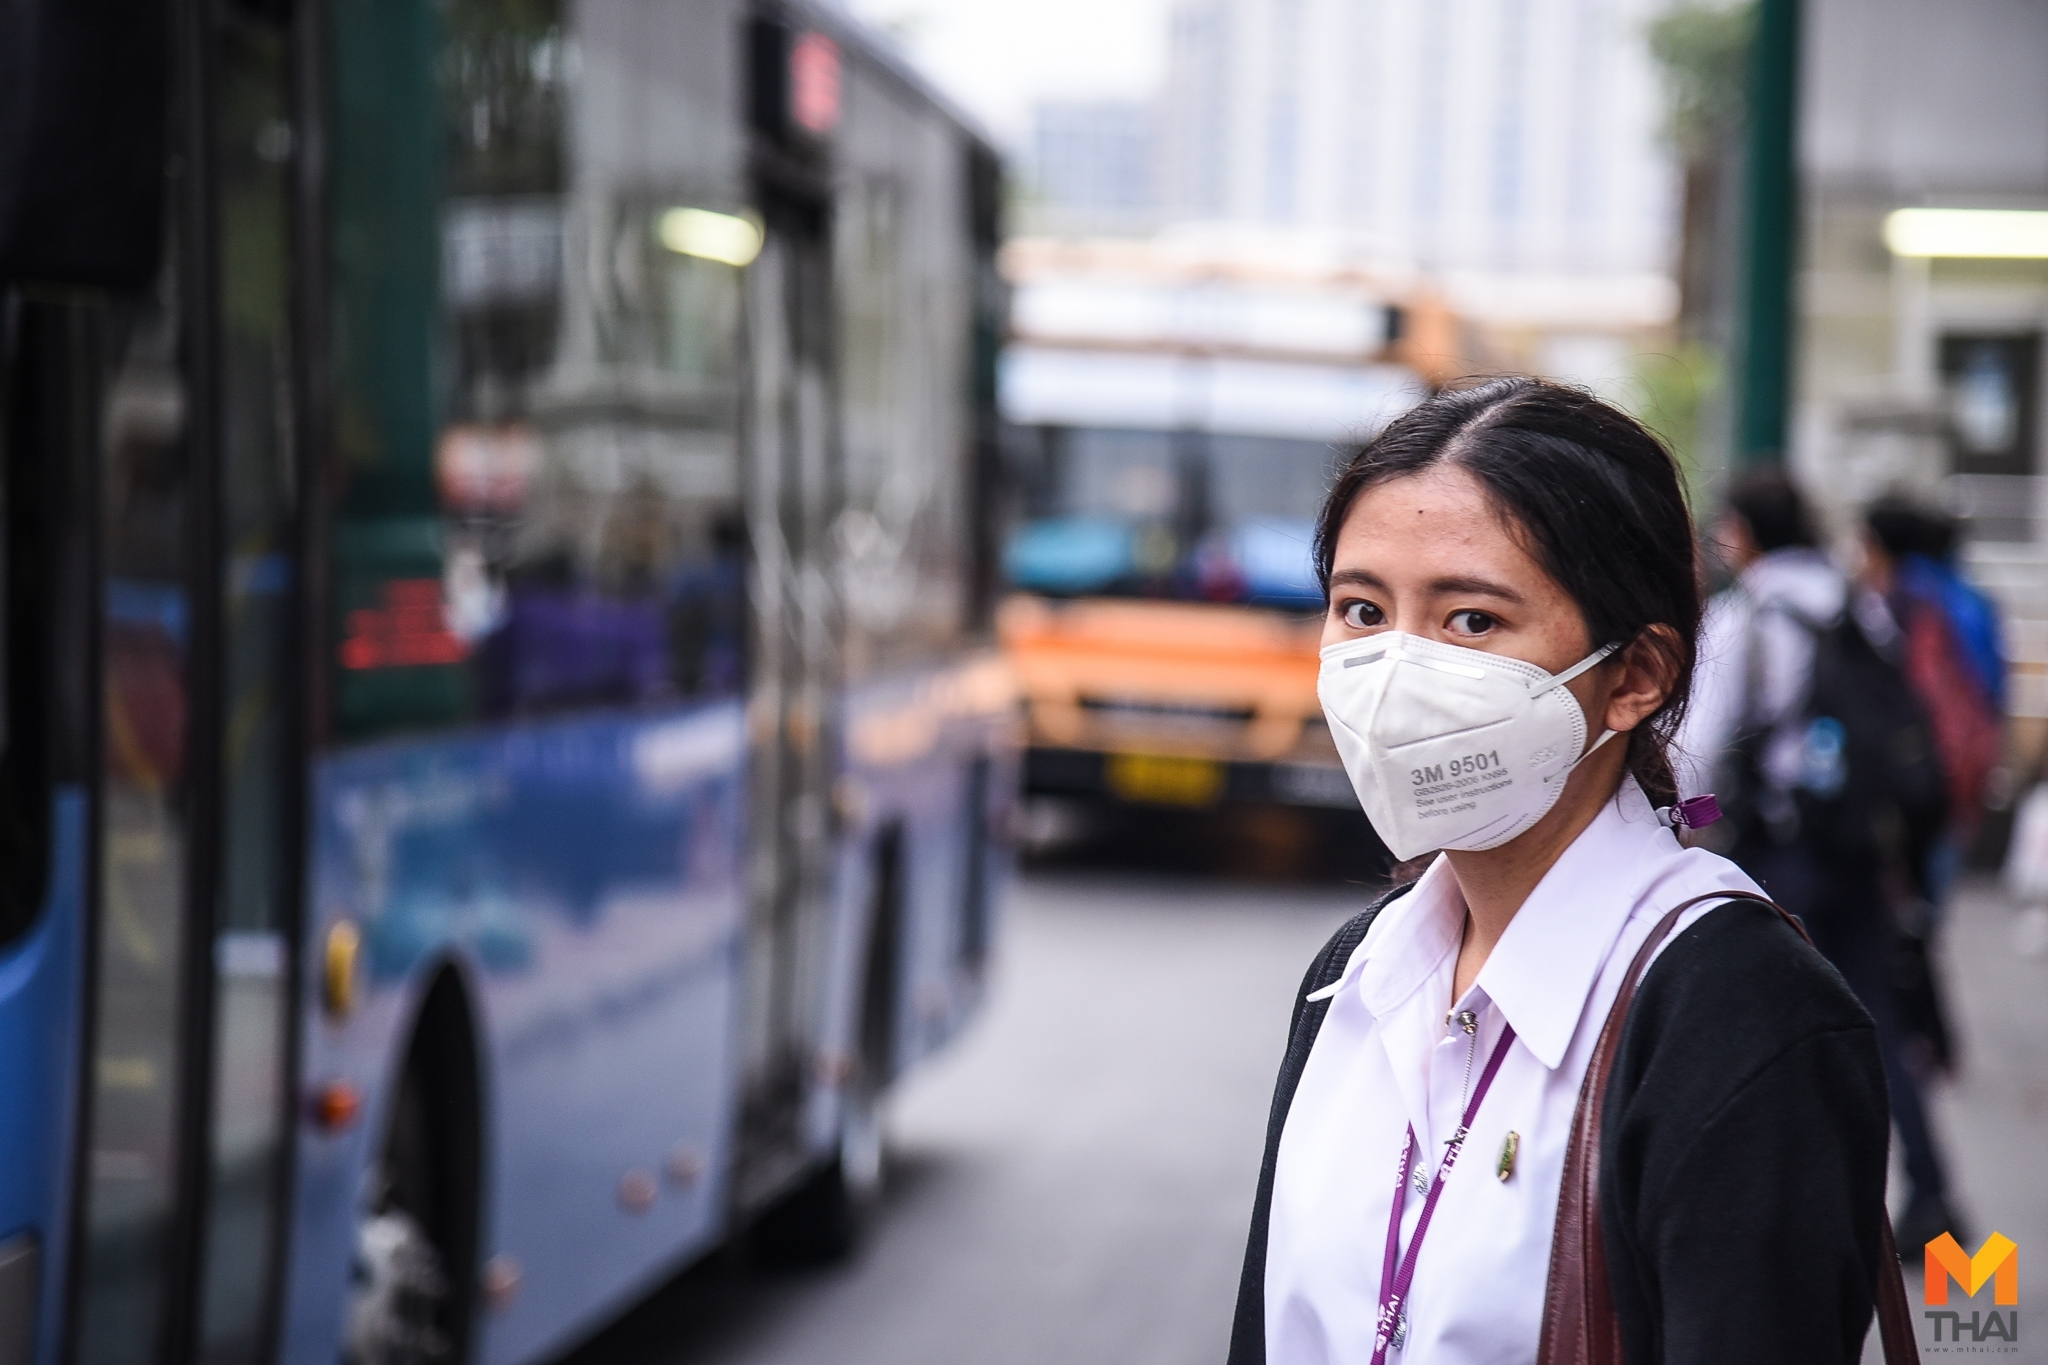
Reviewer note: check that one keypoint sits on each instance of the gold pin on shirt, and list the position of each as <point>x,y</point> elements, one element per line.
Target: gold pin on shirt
<point>1505,1167</point>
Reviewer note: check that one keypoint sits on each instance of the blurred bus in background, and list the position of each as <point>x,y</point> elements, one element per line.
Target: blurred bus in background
<point>1176,409</point>
<point>504,759</point>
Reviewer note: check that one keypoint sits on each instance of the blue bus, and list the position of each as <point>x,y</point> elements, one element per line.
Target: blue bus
<point>502,760</point>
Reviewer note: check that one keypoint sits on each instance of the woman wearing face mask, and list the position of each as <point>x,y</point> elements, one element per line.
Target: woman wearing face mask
<point>1510,635</point>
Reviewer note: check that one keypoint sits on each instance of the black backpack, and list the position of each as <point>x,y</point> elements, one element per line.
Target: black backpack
<point>1871,793</point>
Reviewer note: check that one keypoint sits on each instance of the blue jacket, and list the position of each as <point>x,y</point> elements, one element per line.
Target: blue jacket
<point>1972,615</point>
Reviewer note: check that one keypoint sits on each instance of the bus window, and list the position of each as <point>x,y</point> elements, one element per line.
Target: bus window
<point>1129,474</point>
<point>535,426</point>
<point>904,276</point>
<point>131,1148</point>
<point>1204,516</point>
<point>1270,476</point>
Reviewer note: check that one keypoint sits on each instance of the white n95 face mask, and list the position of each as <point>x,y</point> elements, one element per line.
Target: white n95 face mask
<point>1450,747</point>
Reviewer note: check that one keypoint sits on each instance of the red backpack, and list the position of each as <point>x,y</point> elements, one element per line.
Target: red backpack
<point>1967,731</point>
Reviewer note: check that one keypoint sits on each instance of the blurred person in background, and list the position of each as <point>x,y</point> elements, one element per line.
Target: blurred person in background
<point>1954,657</point>
<point>1955,660</point>
<point>1508,645</point>
<point>1805,725</point>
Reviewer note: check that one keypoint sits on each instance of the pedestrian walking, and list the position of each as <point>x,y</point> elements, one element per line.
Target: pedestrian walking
<point>1954,656</point>
<point>1954,659</point>
<point>1806,725</point>
<point>1576,1084</point>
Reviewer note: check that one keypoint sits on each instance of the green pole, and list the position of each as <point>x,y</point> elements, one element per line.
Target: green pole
<point>1771,236</point>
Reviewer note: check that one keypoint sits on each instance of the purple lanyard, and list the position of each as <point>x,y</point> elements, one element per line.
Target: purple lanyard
<point>1394,1286</point>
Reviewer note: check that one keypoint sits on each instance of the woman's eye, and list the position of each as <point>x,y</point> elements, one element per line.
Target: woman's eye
<point>1363,615</point>
<point>1471,622</point>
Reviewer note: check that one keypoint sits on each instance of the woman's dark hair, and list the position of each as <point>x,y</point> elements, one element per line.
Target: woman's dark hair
<point>1775,511</point>
<point>1591,494</point>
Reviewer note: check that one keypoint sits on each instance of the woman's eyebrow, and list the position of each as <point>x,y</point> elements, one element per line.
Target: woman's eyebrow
<point>1457,583</point>
<point>1484,586</point>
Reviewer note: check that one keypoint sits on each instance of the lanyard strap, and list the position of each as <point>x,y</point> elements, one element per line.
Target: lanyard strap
<point>1394,1284</point>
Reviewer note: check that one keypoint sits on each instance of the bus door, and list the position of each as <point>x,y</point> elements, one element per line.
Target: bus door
<point>147,789</point>
<point>793,495</point>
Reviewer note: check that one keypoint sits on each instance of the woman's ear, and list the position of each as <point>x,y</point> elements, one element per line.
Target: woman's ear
<point>1649,670</point>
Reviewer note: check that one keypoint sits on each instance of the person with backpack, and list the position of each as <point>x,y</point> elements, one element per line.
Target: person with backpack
<point>1955,660</point>
<point>1807,728</point>
<point>1954,656</point>
<point>1577,1092</point>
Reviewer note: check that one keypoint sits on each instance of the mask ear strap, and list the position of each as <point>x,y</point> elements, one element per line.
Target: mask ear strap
<point>1605,735</point>
<point>1560,679</point>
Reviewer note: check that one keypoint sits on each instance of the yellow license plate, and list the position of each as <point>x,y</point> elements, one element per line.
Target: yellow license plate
<point>1164,780</point>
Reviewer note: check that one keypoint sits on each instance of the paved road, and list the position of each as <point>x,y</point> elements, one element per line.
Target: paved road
<point>1070,1183</point>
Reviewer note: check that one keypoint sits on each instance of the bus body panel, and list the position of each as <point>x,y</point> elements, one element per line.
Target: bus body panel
<point>40,994</point>
<point>916,799</point>
<point>914,742</point>
<point>584,873</point>
<point>605,958</point>
<point>330,1169</point>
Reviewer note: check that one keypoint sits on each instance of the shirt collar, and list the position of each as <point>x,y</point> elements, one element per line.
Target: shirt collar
<point>1544,966</point>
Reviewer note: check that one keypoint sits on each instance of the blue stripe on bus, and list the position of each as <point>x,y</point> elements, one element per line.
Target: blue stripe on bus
<point>39,1013</point>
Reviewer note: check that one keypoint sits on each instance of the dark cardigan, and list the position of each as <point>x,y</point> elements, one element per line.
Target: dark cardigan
<point>1742,1162</point>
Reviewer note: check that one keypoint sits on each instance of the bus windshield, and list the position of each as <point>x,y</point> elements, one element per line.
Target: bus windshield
<point>1189,515</point>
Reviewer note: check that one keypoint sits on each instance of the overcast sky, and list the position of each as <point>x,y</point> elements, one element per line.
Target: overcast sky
<point>996,57</point>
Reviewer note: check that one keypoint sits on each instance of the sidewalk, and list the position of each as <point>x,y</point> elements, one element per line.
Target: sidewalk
<point>1993,1118</point>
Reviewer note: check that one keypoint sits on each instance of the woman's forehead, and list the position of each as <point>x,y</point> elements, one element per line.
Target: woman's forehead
<point>1442,513</point>
<point>1441,487</point>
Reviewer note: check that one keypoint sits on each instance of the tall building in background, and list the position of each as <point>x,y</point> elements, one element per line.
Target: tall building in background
<point>1092,163</point>
<point>1498,136</point>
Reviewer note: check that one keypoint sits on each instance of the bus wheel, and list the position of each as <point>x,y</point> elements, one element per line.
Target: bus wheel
<point>822,1220</point>
<point>395,1304</point>
<point>413,1278</point>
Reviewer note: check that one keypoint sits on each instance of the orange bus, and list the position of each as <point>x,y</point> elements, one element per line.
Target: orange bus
<point>1174,413</point>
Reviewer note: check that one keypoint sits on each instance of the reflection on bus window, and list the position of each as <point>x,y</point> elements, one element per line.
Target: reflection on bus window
<point>131,1151</point>
<point>903,275</point>
<point>555,523</point>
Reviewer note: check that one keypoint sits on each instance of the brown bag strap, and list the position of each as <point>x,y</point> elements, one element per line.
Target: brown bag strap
<point>1579,1322</point>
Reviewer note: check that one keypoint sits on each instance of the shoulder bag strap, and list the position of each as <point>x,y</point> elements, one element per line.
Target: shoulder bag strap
<point>1579,1322</point>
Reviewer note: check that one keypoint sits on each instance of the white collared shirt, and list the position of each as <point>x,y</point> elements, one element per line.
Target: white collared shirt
<point>1387,1057</point>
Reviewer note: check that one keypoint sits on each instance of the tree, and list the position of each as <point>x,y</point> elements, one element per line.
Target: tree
<point>1703,49</point>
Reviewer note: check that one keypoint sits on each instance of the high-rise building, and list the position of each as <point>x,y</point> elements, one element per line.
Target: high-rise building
<point>1093,160</point>
<point>1502,136</point>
